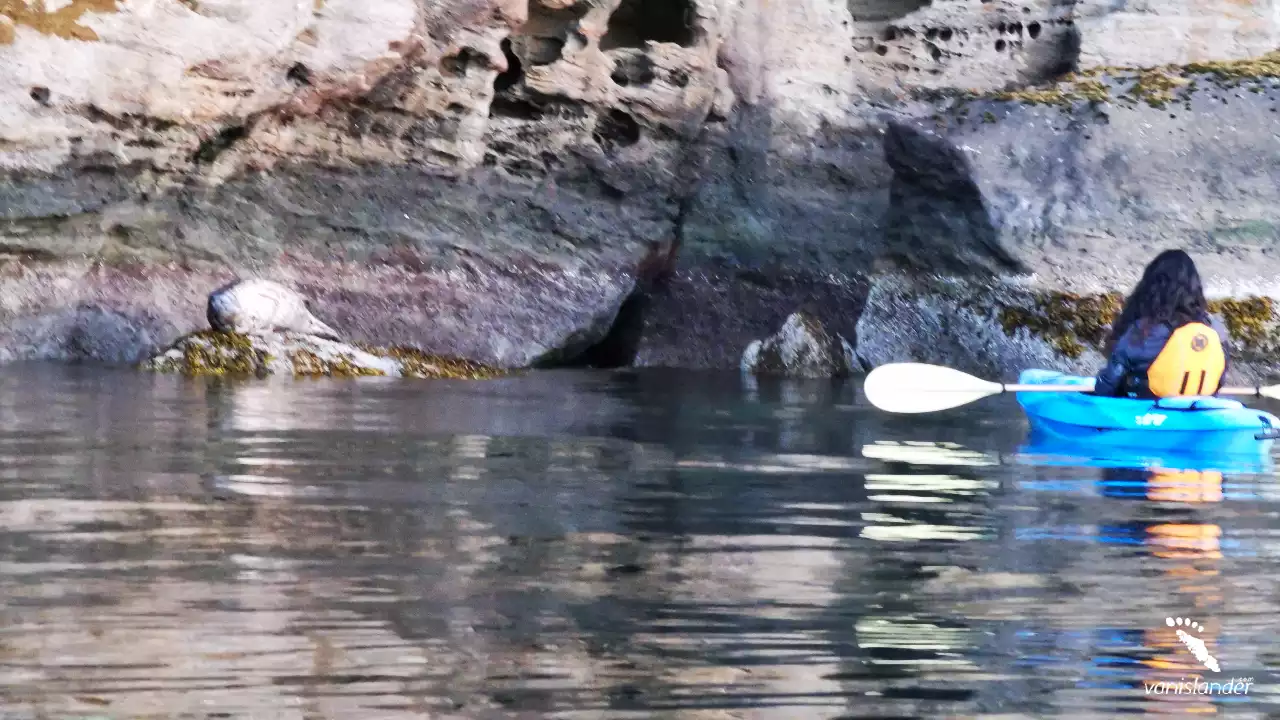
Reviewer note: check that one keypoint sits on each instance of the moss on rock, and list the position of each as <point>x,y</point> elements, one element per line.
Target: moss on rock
<point>1066,93</point>
<point>213,352</point>
<point>1251,322</point>
<point>1154,86</point>
<point>308,364</point>
<point>415,363</point>
<point>1068,321</point>
<point>64,22</point>
<point>1073,323</point>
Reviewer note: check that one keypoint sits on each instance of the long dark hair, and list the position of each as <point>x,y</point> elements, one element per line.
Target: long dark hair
<point>1169,293</point>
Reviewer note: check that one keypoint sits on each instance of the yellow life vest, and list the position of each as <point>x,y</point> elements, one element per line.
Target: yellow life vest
<point>1191,363</point>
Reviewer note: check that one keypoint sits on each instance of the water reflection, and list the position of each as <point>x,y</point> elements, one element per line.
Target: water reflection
<point>575,545</point>
<point>1174,529</point>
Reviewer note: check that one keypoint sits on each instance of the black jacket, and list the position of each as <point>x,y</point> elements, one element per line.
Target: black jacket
<point>1126,369</point>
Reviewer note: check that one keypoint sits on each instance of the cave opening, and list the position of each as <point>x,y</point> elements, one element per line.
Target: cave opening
<point>636,22</point>
<point>620,345</point>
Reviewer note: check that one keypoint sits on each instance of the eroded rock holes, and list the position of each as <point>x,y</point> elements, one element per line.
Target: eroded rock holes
<point>458,65</point>
<point>542,40</point>
<point>636,22</point>
<point>616,129</point>
<point>299,74</point>
<point>632,68</point>
<point>507,102</point>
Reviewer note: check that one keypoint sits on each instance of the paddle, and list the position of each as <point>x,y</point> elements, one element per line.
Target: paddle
<point>922,388</point>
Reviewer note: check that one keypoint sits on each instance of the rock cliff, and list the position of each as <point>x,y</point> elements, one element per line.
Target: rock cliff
<point>606,181</point>
<point>1073,187</point>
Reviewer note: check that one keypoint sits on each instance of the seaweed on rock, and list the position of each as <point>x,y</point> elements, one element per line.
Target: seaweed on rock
<point>1073,322</point>
<point>1155,86</point>
<point>215,353</point>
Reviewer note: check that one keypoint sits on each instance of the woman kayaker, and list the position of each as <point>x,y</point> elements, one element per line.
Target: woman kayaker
<point>1164,343</point>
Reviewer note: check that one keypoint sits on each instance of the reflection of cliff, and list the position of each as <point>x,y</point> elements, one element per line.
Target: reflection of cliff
<point>336,550</point>
<point>285,545</point>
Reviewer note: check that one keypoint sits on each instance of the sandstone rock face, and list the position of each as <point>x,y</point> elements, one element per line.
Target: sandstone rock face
<point>496,159</point>
<point>1101,171</point>
<point>1173,31</point>
<point>498,179</point>
<point>802,347</point>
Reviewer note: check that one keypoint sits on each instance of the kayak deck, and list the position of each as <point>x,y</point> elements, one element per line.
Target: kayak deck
<point>1191,423</point>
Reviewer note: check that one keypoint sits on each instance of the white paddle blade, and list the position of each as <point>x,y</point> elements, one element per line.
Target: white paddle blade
<point>922,388</point>
<point>1270,391</point>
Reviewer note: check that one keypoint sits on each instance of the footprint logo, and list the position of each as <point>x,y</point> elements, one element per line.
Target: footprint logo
<point>1184,627</point>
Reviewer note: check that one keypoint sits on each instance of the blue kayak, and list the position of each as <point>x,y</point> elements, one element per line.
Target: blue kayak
<point>1193,425</point>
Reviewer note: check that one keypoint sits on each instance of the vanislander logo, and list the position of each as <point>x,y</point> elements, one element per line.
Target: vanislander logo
<point>1196,686</point>
<point>1188,632</point>
<point>1193,643</point>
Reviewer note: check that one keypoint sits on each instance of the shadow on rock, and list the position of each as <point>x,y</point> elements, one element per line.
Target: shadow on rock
<point>85,333</point>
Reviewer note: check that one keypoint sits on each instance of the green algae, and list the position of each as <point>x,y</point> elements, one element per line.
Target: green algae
<point>1072,323</point>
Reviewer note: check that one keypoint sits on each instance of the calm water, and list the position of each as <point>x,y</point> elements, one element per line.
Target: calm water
<point>621,545</point>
